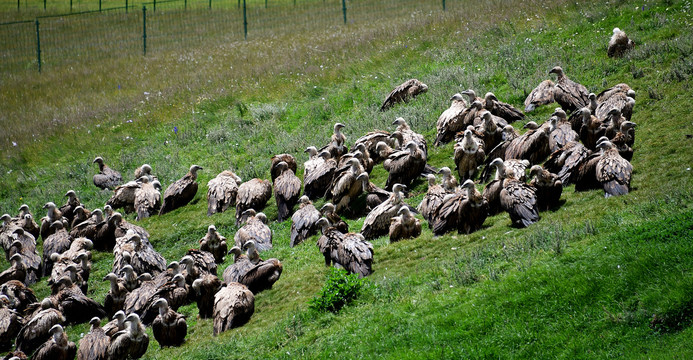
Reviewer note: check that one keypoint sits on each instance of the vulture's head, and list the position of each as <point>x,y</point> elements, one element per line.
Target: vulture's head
<point>490,97</point>
<point>98,160</point>
<point>476,105</point>
<point>196,285</point>
<point>325,154</point>
<point>79,210</point>
<point>6,218</point>
<point>498,163</point>
<point>457,97</point>
<point>262,217</point>
<point>71,194</point>
<point>469,184</point>
<point>311,151</point>
<point>411,146</point>
<point>534,170</point>
<point>120,316</point>
<point>404,211</point>
<point>592,97</point>
<point>46,304</point>
<point>211,229</point>
<point>470,93</point>
<point>616,30</point>
<point>97,214</point>
<point>179,280</point>
<point>323,224</point>
<point>398,188</point>
<point>17,245</point>
<point>134,320</point>
<point>112,277</point>
<point>559,113</point>
<point>486,116</point>
<point>195,168</point>
<point>627,125</point>
<point>327,208</point>
<point>236,251</point>
<point>174,266</point>
<point>282,166</point>
<point>631,94</point>
<point>605,145</point>
<point>50,206</point>
<point>188,261</point>
<point>249,245</point>
<point>162,304</point>
<point>586,114</point>
<point>380,146</point>
<point>128,269</point>
<point>16,258</point>
<point>399,121</point>
<point>531,126</point>
<point>445,171</point>
<point>338,126</point>
<point>57,225</point>
<point>146,169</point>
<point>56,330</point>
<point>157,185</point>
<point>557,70</point>
<point>95,322</point>
<point>24,208</point>
<point>431,179</point>
<point>304,200</point>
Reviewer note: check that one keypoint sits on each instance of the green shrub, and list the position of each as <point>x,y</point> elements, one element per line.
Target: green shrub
<point>340,289</point>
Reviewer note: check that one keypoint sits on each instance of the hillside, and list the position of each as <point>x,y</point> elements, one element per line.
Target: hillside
<point>598,278</point>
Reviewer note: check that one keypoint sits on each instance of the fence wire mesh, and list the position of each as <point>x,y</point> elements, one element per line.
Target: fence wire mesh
<point>68,32</point>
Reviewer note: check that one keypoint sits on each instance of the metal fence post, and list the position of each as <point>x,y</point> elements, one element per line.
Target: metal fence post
<point>344,9</point>
<point>38,46</point>
<point>245,23</point>
<point>443,5</point>
<point>210,4</point>
<point>44,4</point>
<point>126,6</point>
<point>70,5</point>
<point>144,30</point>
<point>154,5</point>
<point>239,4</point>
<point>17,5</point>
<point>185,7</point>
<point>99,5</point>
<point>265,4</point>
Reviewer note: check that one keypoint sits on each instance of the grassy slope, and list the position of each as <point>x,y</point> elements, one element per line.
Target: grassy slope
<point>584,282</point>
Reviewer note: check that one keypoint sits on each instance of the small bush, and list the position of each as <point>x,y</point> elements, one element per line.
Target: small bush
<point>340,289</point>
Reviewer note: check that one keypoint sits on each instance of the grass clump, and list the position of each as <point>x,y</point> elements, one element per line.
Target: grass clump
<point>340,289</point>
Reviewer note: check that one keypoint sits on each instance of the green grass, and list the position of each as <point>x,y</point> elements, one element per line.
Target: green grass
<point>598,278</point>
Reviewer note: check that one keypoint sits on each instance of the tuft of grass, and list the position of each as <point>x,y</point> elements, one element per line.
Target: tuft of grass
<point>340,289</point>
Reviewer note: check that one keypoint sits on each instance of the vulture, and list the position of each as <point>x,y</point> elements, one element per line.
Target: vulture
<point>319,171</point>
<point>405,166</point>
<point>623,140</point>
<point>81,215</point>
<point>76,306</point>
<point>115,298</point>
<point>252,194</point>
<point>377,222</point>
<point>622,101</point>
<point>10,324</point>
<point>144,259</point>
<point>263,274</point>
<point>432,200</point>
<point>403,93</point>
<point>52,215</point>
<point>255,229</point>
<point>563,162</point>
<point>303,221</point>
<point>541,95</point>
<point>205,288</point>
<point>532,145</point>
<point>370,142</point>
<point>129,277</point>
<point>20,295</point>
<point>365,157</point>
<point>329,211</point>
<point>16,271</point>
<point>124,196</point>
<point>348,185</point>
<point>107,178</point>
<point>561,130</point>
<point>614,90</point>
<point>37,329</point>
<point>115,325</point>
<point>404,226</point>
<point>142,301</point>
<point>448,182</point>
<point>519,200</point>
<point>613,172</point>
<point>567,93</point>
<point>68,209</point>
<point>132,342</point>
<point>491,132</point>
<point>336,146</point>
<point>197,264</point>
<point>144,171</point>
<point>222,191</point>
<point>619,44</point>
<point>350,251</point>
<point>234,304</point>
<point>6,231</point>
<point>376,196</point>
<point>506,111</point>
<point>469,155</point>
<point>169,327</point>
<point>181,192</point>
<point>509,136</point>
<point>147,199</point>
<point>240,266</point>
<point>407,135</point>
<point>66,267</point>
<point>24,245</point>
<point>57,347</point>
<point>88,228</point>
<point>276,170</point>
<point>548,188</point>
<point>612,123</point>
<point>384,150</point>
<point>94,345</point>
<point>465,212</point>
<point>58,242</point>
<point>585,176</point>
<point>591,129</point>
<point>214,243</point>
<point>575,118</point>
<point>287,189</point>
<point>451,120</point>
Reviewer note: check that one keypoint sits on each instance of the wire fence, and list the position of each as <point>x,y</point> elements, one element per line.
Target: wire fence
<point>40,34</point>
